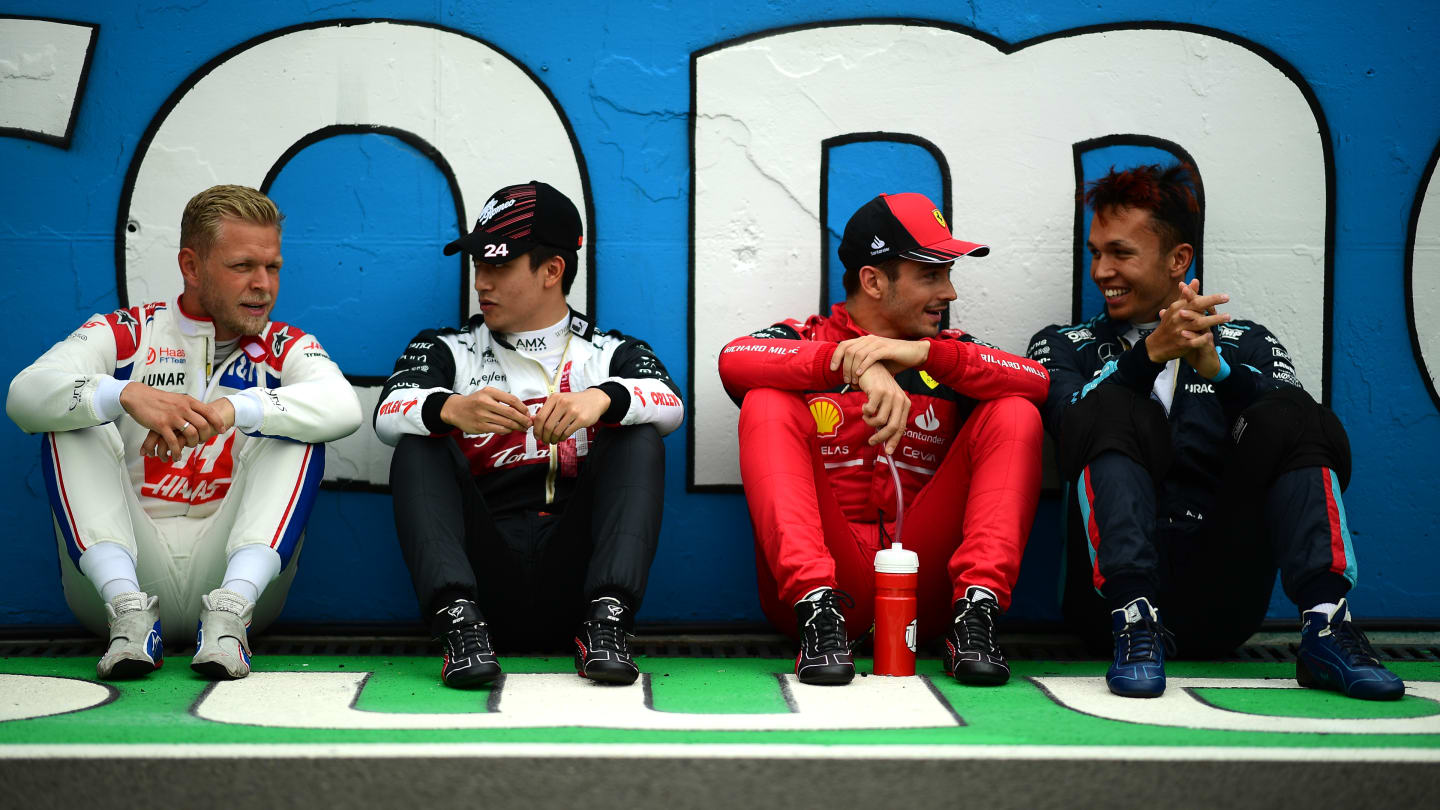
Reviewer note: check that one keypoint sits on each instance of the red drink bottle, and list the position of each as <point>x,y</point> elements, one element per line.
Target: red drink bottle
<point>897,575</point>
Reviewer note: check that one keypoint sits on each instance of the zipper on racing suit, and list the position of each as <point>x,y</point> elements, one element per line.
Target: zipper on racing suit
<point>550,386</point>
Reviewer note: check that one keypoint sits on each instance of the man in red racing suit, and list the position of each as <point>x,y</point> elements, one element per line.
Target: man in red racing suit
<point>830,405</point>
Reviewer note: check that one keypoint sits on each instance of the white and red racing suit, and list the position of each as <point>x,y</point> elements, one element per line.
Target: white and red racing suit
<point>524,528</point>
<point>180,520</point>
<point>822,498</point>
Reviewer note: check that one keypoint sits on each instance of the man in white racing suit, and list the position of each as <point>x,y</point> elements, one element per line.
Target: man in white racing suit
<point>183,446</point>
<point>528,473</point>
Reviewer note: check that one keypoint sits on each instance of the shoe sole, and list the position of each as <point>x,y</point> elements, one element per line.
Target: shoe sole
<point>827,679</point>
<point>215,671</point>
<point>471,679</point>
<point>130,669</point>
<point>983,678</point>
<point>617,677</point>
<point>1119,693</point>
<point>1308,679</point>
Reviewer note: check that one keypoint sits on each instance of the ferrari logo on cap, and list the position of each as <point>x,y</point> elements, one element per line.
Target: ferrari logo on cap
<point>940,218</point>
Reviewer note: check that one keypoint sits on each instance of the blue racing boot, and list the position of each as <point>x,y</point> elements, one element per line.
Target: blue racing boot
<point>1335,655</point>
<point>1141,644</point>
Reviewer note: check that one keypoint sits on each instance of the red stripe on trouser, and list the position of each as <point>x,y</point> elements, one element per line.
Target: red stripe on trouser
<point>1338,562</point>
<point>295,493</point>
<point>986,488</point>
<point>1092,532</point>
<point>65,498</point>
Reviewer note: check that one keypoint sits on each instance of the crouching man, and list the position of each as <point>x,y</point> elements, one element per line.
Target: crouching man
<point>528,473</point>
<point>1198,464</point>
<point>834,409</point>
<point>183,447</point>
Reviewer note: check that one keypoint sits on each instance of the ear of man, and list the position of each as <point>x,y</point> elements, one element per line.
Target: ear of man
<point>873,282</point>
<point>189,266</point>
<point>553,271</point>
<point>1180,257</point>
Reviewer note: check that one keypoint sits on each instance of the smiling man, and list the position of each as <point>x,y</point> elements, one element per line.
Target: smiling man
<point>183,448</point>
<point>831,407</point>
<point>528,473</point>
<point>1197,462</point>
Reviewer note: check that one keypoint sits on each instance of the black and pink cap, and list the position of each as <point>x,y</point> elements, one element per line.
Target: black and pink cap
<point>906,226</point>
<point>517,218</point>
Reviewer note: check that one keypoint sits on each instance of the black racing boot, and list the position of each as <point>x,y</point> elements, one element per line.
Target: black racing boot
<point>824,656</point>
<point>602,652</point>
<point>971,654</point>
<point>469,656</point>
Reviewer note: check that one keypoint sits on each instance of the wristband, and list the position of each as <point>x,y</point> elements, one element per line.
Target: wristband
<point>1224,367</point>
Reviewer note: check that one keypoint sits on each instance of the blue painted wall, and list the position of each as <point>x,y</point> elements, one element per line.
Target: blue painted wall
<point>367,214</point>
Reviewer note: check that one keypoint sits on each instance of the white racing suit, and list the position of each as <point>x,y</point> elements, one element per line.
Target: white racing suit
<point>181,520</point>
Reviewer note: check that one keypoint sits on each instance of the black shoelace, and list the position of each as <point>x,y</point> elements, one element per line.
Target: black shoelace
<point>1353,643</point>
<point>826,626</point>
<point>976,624</point>
<point>1140,639</point>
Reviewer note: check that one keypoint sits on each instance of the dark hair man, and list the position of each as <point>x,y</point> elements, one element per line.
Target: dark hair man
<point>528,473</point>
<point>183,448</point>
<point>1198,462</point>
<point>830,407</point>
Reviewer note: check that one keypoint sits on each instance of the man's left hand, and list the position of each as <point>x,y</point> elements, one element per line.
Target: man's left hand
<point>1185,323</point>
<point>563,414</point>
<point>857,355</point>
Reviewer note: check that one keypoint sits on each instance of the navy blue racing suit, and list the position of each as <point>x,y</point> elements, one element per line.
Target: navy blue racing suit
<point>1196,506</point>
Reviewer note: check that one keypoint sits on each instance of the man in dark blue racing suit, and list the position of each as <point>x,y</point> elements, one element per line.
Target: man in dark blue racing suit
<point>1198,464</point>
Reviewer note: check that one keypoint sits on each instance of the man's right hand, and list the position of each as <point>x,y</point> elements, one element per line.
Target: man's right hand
<point>488,410</point>
<point>858,354</point>
<point>175,421</point>
<point>1184,322</point>
<point>888,408</point>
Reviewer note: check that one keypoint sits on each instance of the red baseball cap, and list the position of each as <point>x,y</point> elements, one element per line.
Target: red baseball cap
<point>907,226</point>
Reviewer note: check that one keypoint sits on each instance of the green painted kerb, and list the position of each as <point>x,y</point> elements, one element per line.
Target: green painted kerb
<point>158,709</point>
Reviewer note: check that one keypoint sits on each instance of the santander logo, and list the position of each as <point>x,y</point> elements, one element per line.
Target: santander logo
<point>928,420</point>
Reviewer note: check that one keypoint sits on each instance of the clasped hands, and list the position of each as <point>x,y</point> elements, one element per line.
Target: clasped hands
<point>490,410</point>
<point>175,421</point>
<point>1184,330</point>
<point>870,363</point>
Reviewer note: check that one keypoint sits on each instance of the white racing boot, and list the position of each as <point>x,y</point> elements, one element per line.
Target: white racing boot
<point>222,650</point>
<point>135,646</point>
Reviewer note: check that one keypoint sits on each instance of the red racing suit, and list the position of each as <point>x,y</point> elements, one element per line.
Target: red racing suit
<point>822,499</point>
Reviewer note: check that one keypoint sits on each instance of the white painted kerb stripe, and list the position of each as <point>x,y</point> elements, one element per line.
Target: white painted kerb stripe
<point>551,700</point>
<point>712,751</point>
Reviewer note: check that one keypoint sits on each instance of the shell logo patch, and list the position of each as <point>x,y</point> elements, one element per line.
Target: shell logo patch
<point>928,380</point>
<point>828,418</point>
<point>940,218</point>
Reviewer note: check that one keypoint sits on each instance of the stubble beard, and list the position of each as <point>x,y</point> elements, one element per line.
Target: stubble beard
<point>226,316</point>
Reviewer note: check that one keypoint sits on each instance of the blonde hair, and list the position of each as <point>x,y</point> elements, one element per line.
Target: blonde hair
<point>200,224</point>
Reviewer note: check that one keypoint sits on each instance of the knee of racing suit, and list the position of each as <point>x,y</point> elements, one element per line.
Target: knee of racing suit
<point>1283,430</point>
<point>1113,417</point>
<point>773,406</point>
<point>418,459</point>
